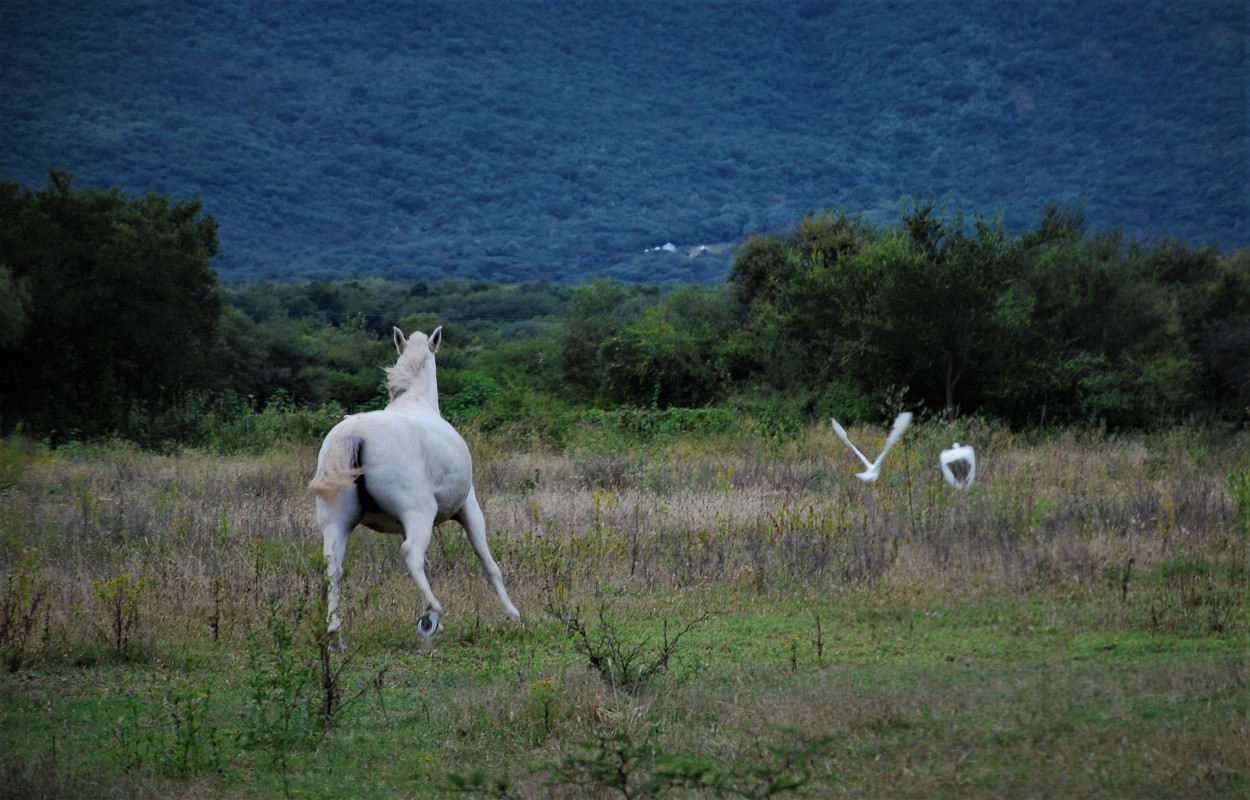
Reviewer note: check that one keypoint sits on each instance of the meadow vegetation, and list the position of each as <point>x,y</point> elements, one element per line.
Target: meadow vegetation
<point>705,614</point>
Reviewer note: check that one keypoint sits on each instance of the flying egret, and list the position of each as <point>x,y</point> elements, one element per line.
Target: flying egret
<point>874,467</point>
<point>959,465</point>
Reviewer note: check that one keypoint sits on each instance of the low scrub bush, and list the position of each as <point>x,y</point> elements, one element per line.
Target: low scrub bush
<point>21,600</point>
<point>623,660</point>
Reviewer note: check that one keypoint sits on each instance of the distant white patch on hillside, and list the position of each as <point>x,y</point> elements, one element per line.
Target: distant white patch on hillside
<point>690,252</point>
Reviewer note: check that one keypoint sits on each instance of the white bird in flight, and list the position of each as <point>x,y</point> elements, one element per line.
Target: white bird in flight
<point>874,467</point>
<point>959,465</point>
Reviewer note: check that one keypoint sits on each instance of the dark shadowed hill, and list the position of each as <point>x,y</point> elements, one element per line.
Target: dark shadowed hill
<point>521,140</point>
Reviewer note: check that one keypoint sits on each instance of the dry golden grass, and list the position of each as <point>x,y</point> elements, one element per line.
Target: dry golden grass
<point>1073,624</point>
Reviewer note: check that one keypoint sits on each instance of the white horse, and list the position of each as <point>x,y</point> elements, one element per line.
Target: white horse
<point>401,470</point>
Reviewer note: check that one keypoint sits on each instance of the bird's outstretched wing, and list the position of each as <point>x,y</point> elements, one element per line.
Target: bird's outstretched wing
<point>901,423</point>
<point>841,432</point>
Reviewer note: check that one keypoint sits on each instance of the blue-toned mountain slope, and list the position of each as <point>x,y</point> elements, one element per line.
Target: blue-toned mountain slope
<point>521,140</point>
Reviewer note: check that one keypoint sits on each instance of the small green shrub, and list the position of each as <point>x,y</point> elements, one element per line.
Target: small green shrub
<point>122,599</point>
<point>1239,488</point>
<point>632,769</point>
<point>649,768</point>
<point>14,462</point>
<point>20,603</point>
<point>180,740</point>
<point>279,679</point>
<point>620,661</point>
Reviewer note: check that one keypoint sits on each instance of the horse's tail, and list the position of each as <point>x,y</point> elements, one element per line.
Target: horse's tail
<point>339,466</point>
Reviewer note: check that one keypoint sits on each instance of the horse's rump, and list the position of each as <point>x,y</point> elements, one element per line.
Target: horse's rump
<point>339,465</point>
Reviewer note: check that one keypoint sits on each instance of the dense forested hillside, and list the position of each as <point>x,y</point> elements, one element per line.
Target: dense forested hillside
<point>558,140</point>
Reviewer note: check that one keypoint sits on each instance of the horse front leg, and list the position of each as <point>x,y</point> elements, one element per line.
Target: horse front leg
<point>418,530</point>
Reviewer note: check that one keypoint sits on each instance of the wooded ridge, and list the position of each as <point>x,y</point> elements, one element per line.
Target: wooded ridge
<point>558,141</point>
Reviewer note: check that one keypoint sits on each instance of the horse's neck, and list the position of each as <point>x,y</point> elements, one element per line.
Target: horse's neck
<point>416,401</point>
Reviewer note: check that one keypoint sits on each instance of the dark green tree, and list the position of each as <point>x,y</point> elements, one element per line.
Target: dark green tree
<point>676,355</point>
<point>122,305</point>
<point>1210,296</point>
<point>598,313</point>
<point>946,306</point>
<point>1223,342</point>
<point>805,300</point>
<point>1099,339</point>
<point>14,307</point>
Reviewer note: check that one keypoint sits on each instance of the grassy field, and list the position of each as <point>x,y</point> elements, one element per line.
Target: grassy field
<point>727,618</point>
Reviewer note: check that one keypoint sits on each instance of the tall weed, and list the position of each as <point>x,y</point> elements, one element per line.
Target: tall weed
<point>23,596</point>
<point>121,599</point>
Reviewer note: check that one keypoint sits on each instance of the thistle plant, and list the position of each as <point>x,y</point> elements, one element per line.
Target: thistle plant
<point>20,602</point>
<point>122,599</point>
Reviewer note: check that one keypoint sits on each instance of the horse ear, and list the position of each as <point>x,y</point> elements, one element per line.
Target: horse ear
<point>436,339</point>
<point>400,342</point>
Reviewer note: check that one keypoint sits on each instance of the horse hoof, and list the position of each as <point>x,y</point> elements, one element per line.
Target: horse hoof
<point>428,624</point>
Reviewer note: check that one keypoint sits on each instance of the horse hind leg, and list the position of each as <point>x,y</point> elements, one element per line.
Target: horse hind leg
<point>336,518</point>
<point>474,524</point>
<point>418,531</point>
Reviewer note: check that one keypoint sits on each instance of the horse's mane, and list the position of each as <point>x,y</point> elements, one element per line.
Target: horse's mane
<point>408,369</point>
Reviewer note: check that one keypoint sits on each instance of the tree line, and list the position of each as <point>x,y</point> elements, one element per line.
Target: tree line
<point>112,322</point>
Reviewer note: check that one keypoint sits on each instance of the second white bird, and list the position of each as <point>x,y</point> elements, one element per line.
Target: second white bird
<point>959,465</point>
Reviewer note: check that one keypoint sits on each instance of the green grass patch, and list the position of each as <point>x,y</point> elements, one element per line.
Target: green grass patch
<point>166,637</point>
<point>888,683</point>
